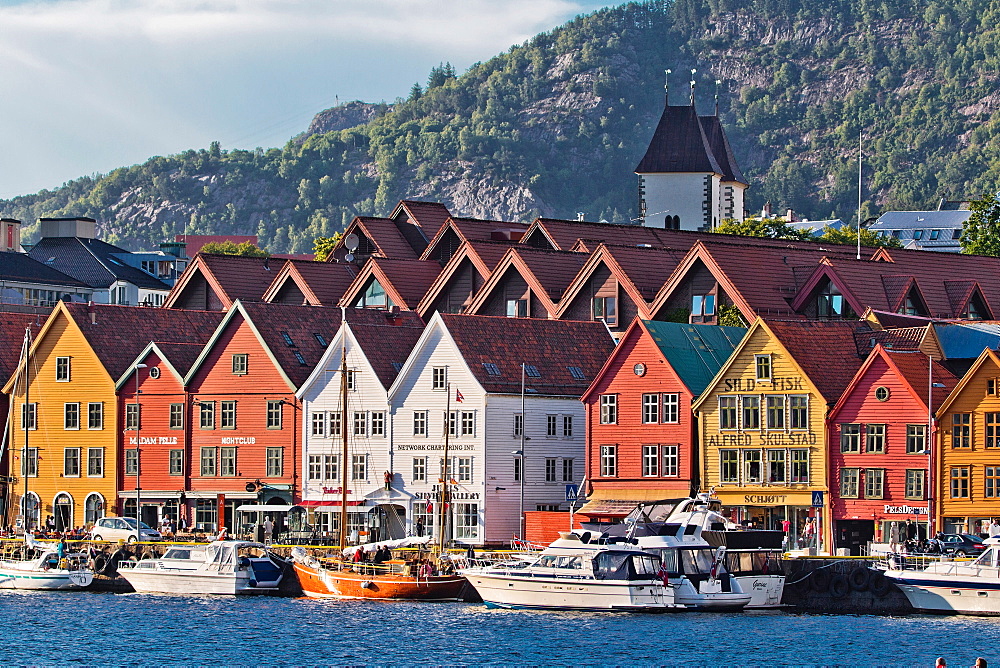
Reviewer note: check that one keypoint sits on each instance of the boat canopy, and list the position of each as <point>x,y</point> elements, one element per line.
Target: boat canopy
<point>625,565</point>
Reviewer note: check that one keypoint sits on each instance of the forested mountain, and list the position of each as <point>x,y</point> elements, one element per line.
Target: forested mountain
<point>557,125</point>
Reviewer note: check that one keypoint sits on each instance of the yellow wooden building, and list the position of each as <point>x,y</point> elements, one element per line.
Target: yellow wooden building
<point>762,425</point>
<point>66,406</point>
<point>967,470</point>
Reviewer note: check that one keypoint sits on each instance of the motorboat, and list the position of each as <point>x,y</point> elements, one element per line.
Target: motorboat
<point>941,584</point>
<point>699,571</point>
<point>388,580</point>
<point>577,572</point>
<point>43,568</point>
<point>227,567</point>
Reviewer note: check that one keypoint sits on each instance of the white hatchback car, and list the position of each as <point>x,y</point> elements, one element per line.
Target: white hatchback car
<point>122,528</point>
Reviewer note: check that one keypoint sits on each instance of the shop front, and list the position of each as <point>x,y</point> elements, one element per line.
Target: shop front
<point>788,511</point>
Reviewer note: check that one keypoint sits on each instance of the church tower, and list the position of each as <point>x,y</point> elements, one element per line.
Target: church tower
<point>688,178</point>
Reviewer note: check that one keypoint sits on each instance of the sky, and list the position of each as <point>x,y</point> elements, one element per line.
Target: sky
<point>90,85</point>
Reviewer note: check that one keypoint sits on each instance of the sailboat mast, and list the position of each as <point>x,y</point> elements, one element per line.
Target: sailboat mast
<point>25,411</point>
<point>343,429</point>
<point>445,470</point>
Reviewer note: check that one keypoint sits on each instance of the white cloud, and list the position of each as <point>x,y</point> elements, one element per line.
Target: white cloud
<point>94,84</point>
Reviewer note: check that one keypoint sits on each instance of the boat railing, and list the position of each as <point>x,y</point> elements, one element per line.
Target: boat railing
<point>899,561</point>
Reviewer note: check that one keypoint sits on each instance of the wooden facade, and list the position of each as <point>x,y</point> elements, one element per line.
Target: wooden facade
<point>763,436</point>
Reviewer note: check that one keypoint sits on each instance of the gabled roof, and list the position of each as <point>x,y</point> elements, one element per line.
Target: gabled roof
<point>551,346</point>
<point>473,229</point>
<point>546,272</point>
<point>404,281</point>
<point>721,150</point>
<point>321,283</point>
<point>967,340</point>
<point>230,277</point>
<point>178,358</point>
<point>482,255</point>
<point>564,234</point>
<point>22,268</point>
<point>388,344</point>
<point>679,144</point>
<point>912,368</point>
<point>825,351</point>
<point>92,262</point>
<point>428,216</point>
<point>987,355</point>
<point>12,326</point>
<point>695,352</point>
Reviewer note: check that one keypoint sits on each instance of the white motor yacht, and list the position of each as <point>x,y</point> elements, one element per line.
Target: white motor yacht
<point>42,568</point>
<point>576,573</point>
<point>222,567</point>
<point>937,584</point>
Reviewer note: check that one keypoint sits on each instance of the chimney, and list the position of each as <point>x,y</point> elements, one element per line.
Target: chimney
<point>80,228</point>
<point>10,235</point>
<point>93,313</point>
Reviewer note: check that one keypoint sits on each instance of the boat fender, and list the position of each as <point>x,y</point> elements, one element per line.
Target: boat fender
<point>880,584</point>
<point>585,537</point>
<point>821,579</point>
<point>839,586</point>
<point>252,582</point>
<point>366,585</point>
<point>860,578</point>
<point>100,562</point>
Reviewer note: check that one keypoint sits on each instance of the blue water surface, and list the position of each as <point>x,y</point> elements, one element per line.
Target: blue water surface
<point>79,628</point>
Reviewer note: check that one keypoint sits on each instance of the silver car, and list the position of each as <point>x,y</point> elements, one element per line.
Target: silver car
<point>123,528</point>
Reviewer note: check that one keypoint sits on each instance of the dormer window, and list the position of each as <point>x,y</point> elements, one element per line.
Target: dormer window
<point>976,309</point>
<point>913,305</point>
<point>374,297</point>
<point>831,304</point>
<point>935,234</point>
<point>606,309</point>
<point>702,308</point>
<point>918,234</point>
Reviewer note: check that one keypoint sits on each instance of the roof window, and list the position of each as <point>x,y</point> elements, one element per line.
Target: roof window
<point>299,358</point>
<point>576,372</point>
<point>320,340</point>
<point>288,339</point>
<point>918,234</point>
<point>491,368</point>
<point>935,234</point>
<point>398,366</point>
<point>531,371</point>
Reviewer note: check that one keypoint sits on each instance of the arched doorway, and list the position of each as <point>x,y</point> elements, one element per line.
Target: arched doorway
<point>62,508</point>
<point>93,508</point>
<point>30,505</point>
<point>386,521</point>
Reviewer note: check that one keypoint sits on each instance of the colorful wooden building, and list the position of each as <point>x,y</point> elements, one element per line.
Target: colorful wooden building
<point>880,436</point>
<point>641,435</point>
<point>762,424</point>
<point>968,477</point>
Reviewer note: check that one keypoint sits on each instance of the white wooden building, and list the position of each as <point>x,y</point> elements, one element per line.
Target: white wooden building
<point>472,364</point>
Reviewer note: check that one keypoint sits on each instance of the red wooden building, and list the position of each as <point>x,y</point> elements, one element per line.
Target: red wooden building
<point>641,436</point>
<point>879,437</point>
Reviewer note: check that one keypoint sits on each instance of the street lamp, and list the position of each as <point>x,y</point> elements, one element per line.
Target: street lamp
<point>138,421</point>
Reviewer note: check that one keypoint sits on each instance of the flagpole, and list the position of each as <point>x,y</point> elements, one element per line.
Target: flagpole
<point>523,469</point>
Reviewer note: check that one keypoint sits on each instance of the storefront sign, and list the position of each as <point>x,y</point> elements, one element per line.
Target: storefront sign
<point>154,440</point>
<point>777,384</point>
<point>768,438</point>
<point>764,499</point>
<point>454,496</point>
<point>335,490</point>
<point>435,446</point>
<point>239,440</point>
<point>904,510</point>
<point>737,498</point>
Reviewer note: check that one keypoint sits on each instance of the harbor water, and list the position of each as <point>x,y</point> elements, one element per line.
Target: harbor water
<point>44,628</point>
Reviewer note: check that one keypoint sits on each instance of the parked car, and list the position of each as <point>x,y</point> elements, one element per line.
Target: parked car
<point>961,544</point>
<point>122,528</point>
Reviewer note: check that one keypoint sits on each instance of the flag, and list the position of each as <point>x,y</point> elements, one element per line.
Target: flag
<point>458,396</point>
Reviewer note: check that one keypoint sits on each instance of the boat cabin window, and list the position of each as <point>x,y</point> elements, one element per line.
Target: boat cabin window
<point>560,561</point>
<point>177,553</point>
<point>754,563</point>
<point>625,566</point>
<point>697,561</point>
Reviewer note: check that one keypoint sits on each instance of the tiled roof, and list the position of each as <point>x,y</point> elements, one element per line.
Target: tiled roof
<point>119,333</point>
<point>552,270</point>
<point>647,268</point>
<point>387,344</point>
<point>695,352</point>
<point>890,319</point>
<point>410,279</point>
<point>387,237</point>
<point>679,144</point>
<point>92,262</point>
<point>181,355</point>
<point>21,267</point>
<point>826,351</point>
<point>487,230</point>
<point>721,150</point>
<point>12,326</point>
<point>552,346</point>
<point>564,233</point>
<point>430,216</point>
<point>913,367</point>
<point>301,323</point>
<point>490,252</point>
<point>233,277</point>
<point>896,338</point>
<point>325,281</point>
<point>967,340</point>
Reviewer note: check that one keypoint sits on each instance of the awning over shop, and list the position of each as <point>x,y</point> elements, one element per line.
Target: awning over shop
<point>620,502</point>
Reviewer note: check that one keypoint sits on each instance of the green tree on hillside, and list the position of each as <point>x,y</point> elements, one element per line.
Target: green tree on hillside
<point>323,246</point>
<point>232,248</point>
<point>981,232</point>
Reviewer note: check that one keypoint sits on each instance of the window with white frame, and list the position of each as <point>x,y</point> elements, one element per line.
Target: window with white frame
<point>227,461</point>
<point>207,415</point>
<point>335,424</point>
<point>751,411</point>
<point>752,466</point>
<point>62,369</point>
<point>916,439</point>
<point>132,416</point>
<point>360,423</point>
<point>729,465</point>
<point>776,471</point>
<point>29,467</point>
<point>359,467</point>
<point>671,461</point>
<point>775,411</point>
<point>352,380</point>
<point>318,423</point>
<point>331,467</point>
<point>439,378</point>
<point>227,415</point>
<point>518,424</point>
<point>609,461</point>
<point>240,364</point>
<point>71,416</point>
<point>208,461</point>
<point>849,478</point>
<point>609,409</point>
<point>95,415</point>
<point>378,423</point>
<point>567,470</point>
<point>850,438</point>
<point>419,423</point>
<point>274,462</point>
<point>314,469</point>
<point>274,413</point>
<point>468,423</point>
<point>650,408</point>
<point>567,426</point>
<point>550,469</point>
<point>71,462</point>
<point>762,365</point>
<point>95,462</point>
<point>671,408</point>
<point>419,469</point>
<point>466,521</point>
<point>465,469</point>
<point>799,464</point>
<point>798,411</point>
<point>650,460</point>
<point>551,423</point>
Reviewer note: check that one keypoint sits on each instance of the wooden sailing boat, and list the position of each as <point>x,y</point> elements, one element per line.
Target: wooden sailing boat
<point>387,580</point>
